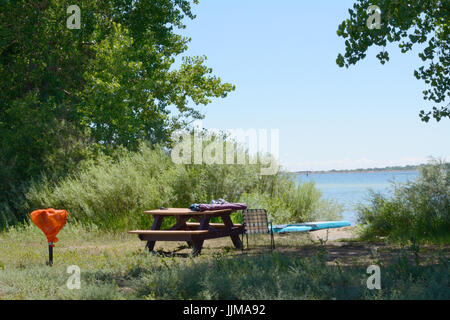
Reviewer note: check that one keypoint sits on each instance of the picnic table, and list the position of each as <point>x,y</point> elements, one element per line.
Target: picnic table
<point>194,233</point>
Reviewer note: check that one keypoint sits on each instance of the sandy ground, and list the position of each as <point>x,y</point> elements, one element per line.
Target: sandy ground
<point>333,234</point>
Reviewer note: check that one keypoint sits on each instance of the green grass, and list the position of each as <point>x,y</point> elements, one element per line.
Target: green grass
<point>115,266</point>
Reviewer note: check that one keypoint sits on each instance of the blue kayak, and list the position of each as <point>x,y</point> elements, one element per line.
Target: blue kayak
<point>309,226</point>
<point>296,229</point>
<point>327,224</point>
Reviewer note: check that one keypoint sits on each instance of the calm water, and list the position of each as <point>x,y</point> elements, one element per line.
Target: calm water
<point>351,188</point>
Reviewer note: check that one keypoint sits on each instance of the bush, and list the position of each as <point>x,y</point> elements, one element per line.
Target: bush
<point>111,192</point>
<point>419,210</point>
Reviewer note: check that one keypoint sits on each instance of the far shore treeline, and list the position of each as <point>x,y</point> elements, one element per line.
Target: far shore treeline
<point>377,169</point>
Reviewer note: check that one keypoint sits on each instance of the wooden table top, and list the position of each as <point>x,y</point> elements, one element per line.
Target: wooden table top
<point>185,212</point>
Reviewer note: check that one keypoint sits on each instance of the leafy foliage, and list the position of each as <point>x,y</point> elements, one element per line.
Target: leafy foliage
<point>419,210</point>
<point>67,94</point>
<point>112,191</point>
<point>407,23</point>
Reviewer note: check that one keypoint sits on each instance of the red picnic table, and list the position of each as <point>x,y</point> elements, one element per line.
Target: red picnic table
<point>194,233</point>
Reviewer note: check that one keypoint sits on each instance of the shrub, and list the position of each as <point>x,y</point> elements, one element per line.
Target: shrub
<point>112,191</point>
<point>417,210</point>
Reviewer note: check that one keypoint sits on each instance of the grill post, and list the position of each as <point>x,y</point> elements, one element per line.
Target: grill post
<point>50,253</point>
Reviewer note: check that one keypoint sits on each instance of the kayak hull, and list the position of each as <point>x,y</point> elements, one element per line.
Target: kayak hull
<point>309,226</point>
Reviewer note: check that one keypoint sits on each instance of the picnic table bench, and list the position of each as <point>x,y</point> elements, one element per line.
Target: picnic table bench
<point>194,233</point>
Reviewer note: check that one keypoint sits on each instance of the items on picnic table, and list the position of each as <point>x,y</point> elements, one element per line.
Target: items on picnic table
<point>309,226</point>
<point>218,204</point>
<point>50,221</point>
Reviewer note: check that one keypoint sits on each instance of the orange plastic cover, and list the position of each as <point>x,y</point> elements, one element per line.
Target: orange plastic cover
<point>50,221</point>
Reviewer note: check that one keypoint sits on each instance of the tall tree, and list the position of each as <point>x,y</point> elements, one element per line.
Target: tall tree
<point>111,82</point>
<point>67,92</point>
<point>408,23</point>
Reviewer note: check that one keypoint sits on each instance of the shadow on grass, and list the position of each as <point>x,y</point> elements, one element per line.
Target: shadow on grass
<point>281,275</point>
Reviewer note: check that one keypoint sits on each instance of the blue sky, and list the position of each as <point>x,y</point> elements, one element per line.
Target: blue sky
<point>281,57</point>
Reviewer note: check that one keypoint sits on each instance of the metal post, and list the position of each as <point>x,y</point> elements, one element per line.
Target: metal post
<point>272,240</point>
<point>50,253</point>
<point>246,235</point>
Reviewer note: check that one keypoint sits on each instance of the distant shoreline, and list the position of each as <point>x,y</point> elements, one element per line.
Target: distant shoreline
<point>387,169</point>
<point>350,171</point>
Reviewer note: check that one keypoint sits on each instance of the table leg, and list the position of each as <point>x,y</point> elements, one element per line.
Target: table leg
<point>156,226</point>
<point>198,243</point>
<point>234,237</point>
<point>180,224</point>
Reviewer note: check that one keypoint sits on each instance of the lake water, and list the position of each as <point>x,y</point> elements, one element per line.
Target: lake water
<point>351,188</point>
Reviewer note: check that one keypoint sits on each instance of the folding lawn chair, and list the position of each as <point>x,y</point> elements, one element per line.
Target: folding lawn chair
<point>255,221</point>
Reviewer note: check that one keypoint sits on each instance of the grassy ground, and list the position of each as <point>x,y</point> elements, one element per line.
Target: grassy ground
<point>116,266</point>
